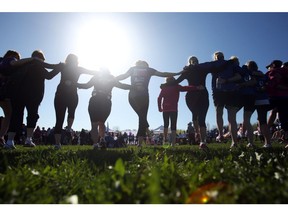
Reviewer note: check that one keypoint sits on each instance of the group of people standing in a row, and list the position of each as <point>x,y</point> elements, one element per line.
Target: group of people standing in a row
<point>233,87</point>
<point>22,86</point>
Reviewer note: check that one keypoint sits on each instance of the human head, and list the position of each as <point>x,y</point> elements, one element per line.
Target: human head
<point>285,65</point>
<point>141,63</point>
<point>274,64</point>
<point>252,66</point>
<point>170,79</point>
<point>72,59</point>
<point>38,54</point>
<point>218,56</point>
<point>12,54</point>
<point>193,60</point>
<point>104,71</point>
<point>235,60</point>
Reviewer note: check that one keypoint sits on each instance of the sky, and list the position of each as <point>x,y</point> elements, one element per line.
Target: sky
<point>117,39</point>
<point>162,32</point>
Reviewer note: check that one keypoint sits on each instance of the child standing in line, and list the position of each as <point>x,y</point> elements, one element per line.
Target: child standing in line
<point>168,104</point>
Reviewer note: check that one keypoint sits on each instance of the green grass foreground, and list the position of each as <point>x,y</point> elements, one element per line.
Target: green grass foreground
<point>148,175</point>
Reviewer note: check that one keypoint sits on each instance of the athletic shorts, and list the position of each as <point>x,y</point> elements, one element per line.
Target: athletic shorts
<point>226,99</point>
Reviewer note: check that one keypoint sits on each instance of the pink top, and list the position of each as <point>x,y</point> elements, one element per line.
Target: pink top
<point>278,82</point>
<point>169,96</point>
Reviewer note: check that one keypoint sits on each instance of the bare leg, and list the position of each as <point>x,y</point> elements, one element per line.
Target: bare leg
<point>94,132</point>
<point>232,124</point>
<point>173,137</point>
<point>248,127</point>
<point>165,133</point>
<point>70,123</point>
<point>203,134</point>
<point>7,111</point>
<point>219,121</point>
<point>272,117</point>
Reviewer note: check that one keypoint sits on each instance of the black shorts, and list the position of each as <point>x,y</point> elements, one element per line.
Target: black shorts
<point>99,108</point>
<point>247,102</point>
<point>226,99</point>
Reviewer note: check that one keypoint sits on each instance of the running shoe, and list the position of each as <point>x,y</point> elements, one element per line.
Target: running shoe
<point>219,139</point>
<point>250,145</point>
<point>233,146</point>
<point>29,143</point>
<point>9,145</point>
<point>57,146</point>
<point>203,146</point>
<point>268,145</point>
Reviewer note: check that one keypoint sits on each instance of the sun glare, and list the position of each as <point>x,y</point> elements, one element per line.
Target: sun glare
<point>103,43</point>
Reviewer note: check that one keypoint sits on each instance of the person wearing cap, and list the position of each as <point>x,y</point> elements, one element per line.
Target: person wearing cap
<point>262,102</point>
<point>278,92</point>
<point>28,92</point>
<point>140,75</point>
<point>247,93</point>
<point>168,104</point>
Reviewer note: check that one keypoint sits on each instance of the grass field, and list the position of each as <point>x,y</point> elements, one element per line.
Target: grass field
<point>147,175</point>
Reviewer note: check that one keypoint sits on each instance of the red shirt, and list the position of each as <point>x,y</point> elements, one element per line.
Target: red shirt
<point>169,97</point>
<point>278,82</point>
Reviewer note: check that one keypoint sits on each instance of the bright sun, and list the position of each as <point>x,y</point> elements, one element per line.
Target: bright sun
<point>103,43</point>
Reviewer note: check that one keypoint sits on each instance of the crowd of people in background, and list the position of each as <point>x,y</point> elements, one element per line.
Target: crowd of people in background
<point>234,87</point>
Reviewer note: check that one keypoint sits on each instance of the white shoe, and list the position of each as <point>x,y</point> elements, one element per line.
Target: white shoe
<point>267,146</point>
<point>29,143</point>
<point>203,146</point>
<point>57,146</point>
<point>219,139</point>
<point>96,146</point>
<point>9,145</point>
<point>233,146</point>
<point>250,145</point>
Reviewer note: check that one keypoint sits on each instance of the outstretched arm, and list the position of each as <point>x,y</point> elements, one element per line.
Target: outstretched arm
<point>86,85</point>
<point>122,85</point>
<point>50,75</point>
<point>124,76</point>
<point>21,62</point>
<point>86,71</point>
<point>51,66</point>
<point>166,74</point>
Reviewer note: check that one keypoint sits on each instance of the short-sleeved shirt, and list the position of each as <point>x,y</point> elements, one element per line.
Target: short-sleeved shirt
<point>140,77</point>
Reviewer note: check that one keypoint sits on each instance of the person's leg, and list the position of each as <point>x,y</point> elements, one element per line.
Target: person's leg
<point>15,121</point>
<point>173,117</point>
<point>203,109</point>
<point>94,132</point>
<point>232,111</point>
<point>247,126</point>
<point>262,111</point>
<point>32,118</point>
<point>72,105</point>
<point>140,104</point>
<point>272,117</point>
<point>7,111</point>
<point>60,109</point>
<point>166,125</point>
<point>219,121</point>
